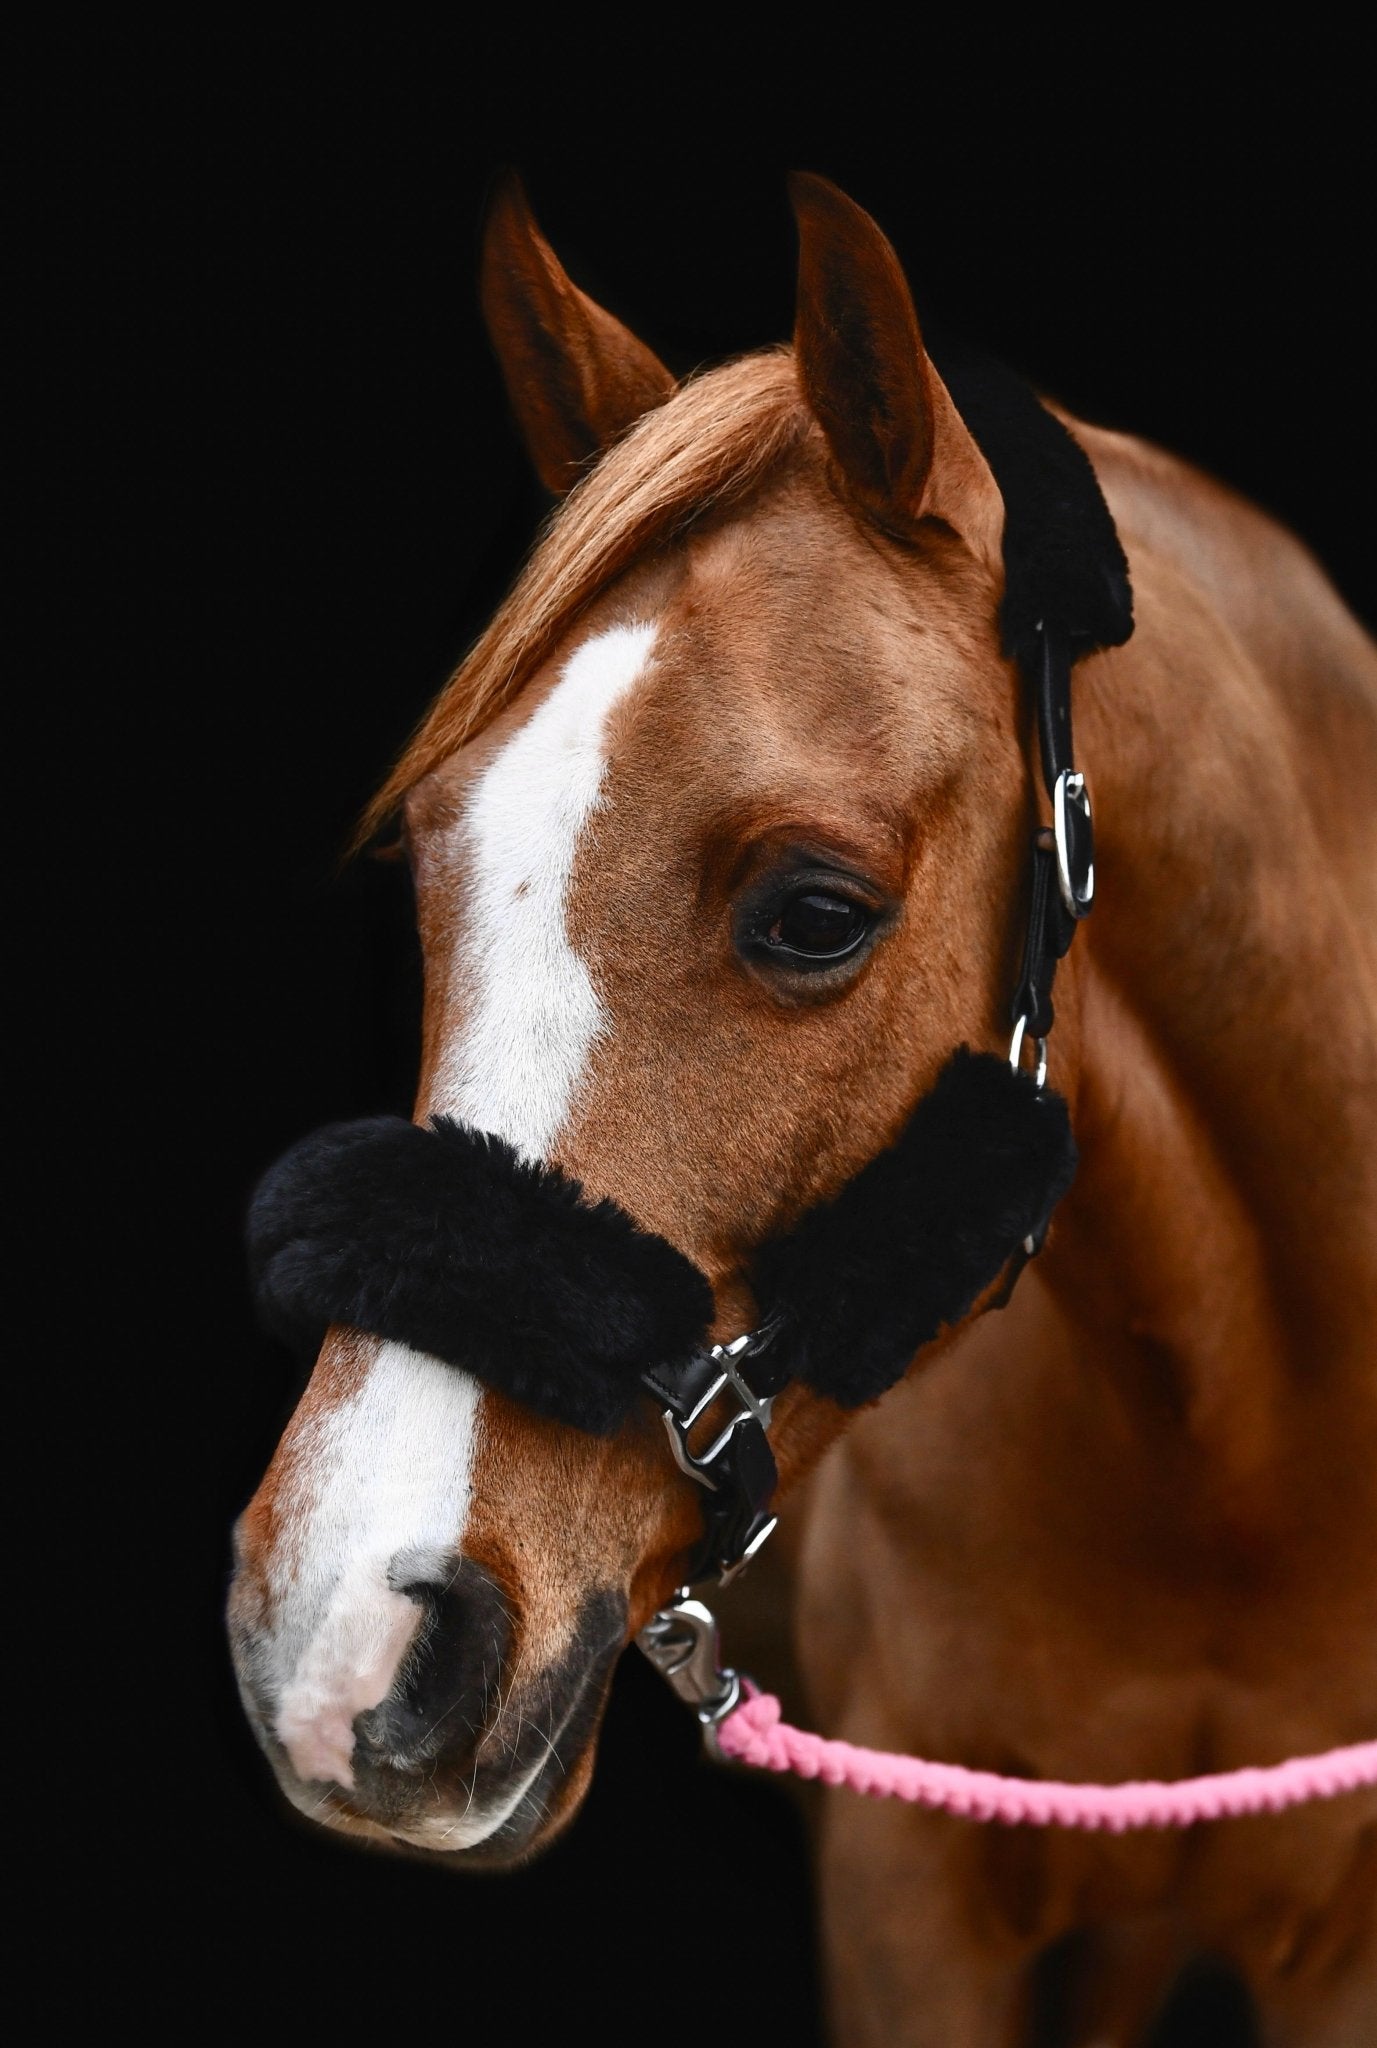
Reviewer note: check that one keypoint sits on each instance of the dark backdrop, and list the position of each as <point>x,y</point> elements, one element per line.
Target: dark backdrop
<point>306,497</point>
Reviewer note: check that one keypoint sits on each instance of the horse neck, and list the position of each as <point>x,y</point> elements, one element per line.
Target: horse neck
<point>1218,1015</point>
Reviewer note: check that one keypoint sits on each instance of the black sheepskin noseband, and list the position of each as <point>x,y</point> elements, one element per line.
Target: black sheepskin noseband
<point>446,1240</point>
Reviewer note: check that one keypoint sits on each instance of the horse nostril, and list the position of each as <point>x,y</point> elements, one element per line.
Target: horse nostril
<point>448,1683</point>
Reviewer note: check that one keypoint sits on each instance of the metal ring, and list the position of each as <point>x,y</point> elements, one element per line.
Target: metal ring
<point>1016,1054</point>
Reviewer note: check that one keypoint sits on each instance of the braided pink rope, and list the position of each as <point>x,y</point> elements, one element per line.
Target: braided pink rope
<point>754,1734</point>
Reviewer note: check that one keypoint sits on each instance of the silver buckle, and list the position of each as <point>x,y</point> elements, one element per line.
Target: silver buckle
<point>751,1405</point>
<point>734,1571</point>
<point>1075,876</point>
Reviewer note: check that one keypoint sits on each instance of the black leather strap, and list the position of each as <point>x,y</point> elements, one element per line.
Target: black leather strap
<point>1051,682</point>
<point>738,1513</point>
<point>1050,931</point>
<point>1051,925</point>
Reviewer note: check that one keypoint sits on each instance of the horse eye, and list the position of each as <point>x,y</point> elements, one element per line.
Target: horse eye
<point>819,926</point>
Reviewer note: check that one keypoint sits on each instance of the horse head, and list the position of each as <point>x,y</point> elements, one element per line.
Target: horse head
<point>717,839</point>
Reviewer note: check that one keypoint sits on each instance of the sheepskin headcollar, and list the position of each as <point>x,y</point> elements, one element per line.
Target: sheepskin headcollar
<point>445,1239</point>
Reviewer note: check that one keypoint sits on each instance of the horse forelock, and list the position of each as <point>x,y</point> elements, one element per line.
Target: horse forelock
<point>718,436</point>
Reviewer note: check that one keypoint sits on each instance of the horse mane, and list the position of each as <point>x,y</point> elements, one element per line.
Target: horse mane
<point>717,436</point>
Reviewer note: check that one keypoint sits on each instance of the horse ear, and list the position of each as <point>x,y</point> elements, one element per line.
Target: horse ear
<point>903,451</point>
<point>576,377</point>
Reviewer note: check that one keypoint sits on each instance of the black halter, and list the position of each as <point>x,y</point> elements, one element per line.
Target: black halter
<point>444,1239</point>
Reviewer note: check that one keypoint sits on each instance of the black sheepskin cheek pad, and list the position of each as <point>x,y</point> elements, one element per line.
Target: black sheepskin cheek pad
<point>448,1241</point>
<point>907,1248</point>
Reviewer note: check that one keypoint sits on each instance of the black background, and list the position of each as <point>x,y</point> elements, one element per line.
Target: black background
<point>274,431</point>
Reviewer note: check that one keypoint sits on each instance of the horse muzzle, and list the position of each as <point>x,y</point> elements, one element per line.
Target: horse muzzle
<point>470,1748</point>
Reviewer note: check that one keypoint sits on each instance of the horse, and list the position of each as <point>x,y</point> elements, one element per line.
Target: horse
<point>719,846</point>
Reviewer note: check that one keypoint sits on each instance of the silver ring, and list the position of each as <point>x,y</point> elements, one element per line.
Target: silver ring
<point>1016,1054</point>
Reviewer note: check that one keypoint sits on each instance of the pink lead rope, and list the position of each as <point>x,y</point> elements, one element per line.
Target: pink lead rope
<point>753,1733</point>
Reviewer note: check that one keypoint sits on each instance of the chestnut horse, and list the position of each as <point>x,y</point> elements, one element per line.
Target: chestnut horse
<point>719,842</point>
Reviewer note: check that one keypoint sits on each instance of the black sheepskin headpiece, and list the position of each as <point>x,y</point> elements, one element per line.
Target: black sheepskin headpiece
<point>446,1240</point>
<point>1063,558</point>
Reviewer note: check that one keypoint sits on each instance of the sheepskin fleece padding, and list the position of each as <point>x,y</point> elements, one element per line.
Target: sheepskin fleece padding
<point>913,1241</point>
<point>448,1241</point>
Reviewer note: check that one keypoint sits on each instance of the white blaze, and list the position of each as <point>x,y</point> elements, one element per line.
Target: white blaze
<point>387,1495</point>
<point>387,1473</point>
<point>516,1066</point>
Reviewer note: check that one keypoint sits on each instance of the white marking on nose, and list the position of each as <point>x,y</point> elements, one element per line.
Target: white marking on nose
<point>516,1065</point>
<point>389,1475</point>
<point>389,1472</point>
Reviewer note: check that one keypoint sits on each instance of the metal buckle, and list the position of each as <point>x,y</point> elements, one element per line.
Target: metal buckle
<point>753,1407</point>
<point>681,1642</point>
<point>737,1469</point>
<point>734,1571</point>
<point>1074,833</point>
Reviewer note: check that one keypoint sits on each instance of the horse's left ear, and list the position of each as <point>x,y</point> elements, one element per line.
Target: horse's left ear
<point>903,451</point>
